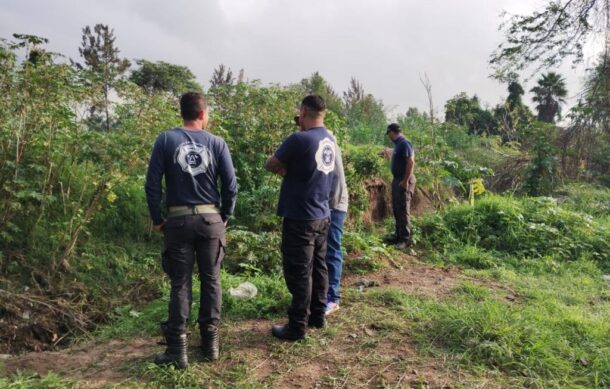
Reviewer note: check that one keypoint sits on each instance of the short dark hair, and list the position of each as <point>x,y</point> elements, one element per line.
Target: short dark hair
<point>394,127</point>
<point>191,105</point>
<point>314,105</point>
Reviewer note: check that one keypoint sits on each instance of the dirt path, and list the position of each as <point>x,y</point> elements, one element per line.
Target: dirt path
<point>338,357</point>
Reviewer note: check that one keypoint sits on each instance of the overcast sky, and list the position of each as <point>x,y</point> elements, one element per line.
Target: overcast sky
<point>386,44</point>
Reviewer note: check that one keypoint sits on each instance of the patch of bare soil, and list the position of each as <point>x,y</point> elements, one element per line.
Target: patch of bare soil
<point>97,364</point>
<point>411,276</point>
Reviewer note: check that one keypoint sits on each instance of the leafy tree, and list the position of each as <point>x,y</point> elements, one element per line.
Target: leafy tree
<point>550,93</point>
<point>316,84</point>
<point>414,112</point>
<point>586,142</point>
<point>164,77</point>
<point>466,111</point>
<point>223,75</point>
<point>512,116</point>
<point>549,35</point>
<point>363,109</point>
<point>101,57</point>
<point>541,175</point>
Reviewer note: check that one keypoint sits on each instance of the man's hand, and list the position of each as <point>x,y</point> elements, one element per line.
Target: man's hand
<point>274,165</point>
<point>403,184</point>
<point>158,227</point>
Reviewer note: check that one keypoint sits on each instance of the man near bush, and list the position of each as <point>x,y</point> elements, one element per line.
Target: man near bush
<point>192,160</point>
<point>403,185</point>
<point>306,160</point>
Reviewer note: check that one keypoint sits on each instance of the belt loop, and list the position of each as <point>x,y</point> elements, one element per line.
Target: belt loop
<point>195,210</point>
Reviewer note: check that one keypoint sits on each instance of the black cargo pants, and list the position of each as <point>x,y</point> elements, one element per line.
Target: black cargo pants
<point>191,238</point>
<point>401,205</point>
<point>305,271</point>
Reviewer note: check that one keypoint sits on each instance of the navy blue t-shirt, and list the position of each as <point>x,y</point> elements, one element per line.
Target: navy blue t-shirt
<point>192,162</point>
<point>310,160</point>
<point>402,149</point>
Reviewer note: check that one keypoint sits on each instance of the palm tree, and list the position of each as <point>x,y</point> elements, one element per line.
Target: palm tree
<point>549,94</point>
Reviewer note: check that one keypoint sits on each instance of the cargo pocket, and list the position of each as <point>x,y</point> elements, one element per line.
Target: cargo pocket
<point>165,263</point>
<point>222,244</point>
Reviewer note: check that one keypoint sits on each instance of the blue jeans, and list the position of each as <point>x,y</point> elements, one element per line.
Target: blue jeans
<point>334,255</point>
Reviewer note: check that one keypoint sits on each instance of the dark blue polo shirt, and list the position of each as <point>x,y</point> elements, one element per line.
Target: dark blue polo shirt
<point>402,149</point>
<point>310,160</point>
<point>192,162</point>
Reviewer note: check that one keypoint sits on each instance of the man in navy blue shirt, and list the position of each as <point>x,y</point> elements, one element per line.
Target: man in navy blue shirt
<point>306,160</point>
<point>403,185</point>
<point>192,161</point>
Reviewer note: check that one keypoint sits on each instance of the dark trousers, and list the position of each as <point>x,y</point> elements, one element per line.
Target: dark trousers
<point>188,239</point>
<point>401,205</point>
<point>305,271</point>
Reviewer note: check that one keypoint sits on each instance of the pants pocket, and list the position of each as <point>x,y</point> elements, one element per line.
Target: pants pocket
<point>165,265</point>
<point>222,244</point>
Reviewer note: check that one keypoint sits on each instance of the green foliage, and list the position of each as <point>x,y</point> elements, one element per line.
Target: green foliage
<point>522,228</point>
<point>549,94</point>
<point>366,252</point>
<point>35,381</point>
<point>585,198</point>
<point>363,110</point>
<point>161,76</point>
<point>270,302</point>
<point>557,30</point>
<point>253,253</point>
<point>465,111</point>
<point>541,175</point>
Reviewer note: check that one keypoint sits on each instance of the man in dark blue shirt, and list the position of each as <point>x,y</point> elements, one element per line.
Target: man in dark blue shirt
<point>403,184</point>
<point>306,160</point>
<point>192,161</point>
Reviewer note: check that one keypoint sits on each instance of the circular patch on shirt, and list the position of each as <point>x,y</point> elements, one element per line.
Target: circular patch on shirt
<point>325,156</point>
<point>193,158</point>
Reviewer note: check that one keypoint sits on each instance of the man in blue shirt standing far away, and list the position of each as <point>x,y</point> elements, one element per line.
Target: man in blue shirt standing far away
<point>403,185</point>
<point>306,160</point>
<point>192,160</point>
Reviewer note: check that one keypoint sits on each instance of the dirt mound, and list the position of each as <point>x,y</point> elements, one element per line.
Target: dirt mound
<point>380,201</point>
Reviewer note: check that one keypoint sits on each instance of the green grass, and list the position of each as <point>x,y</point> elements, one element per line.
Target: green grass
<point>34,381</point>
<point>549,337</point>
<point>271,301</point>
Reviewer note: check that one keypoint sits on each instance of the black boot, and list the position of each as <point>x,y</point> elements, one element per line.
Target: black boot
<point>175,353</point>
<point>316,322</point>
<point>284,332</point>
<point>210,342</point>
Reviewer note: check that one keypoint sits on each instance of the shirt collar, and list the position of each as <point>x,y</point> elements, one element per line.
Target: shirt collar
<point>398,138</point>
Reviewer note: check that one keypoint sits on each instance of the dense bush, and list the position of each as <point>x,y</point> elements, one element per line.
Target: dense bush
<point>533,227</point>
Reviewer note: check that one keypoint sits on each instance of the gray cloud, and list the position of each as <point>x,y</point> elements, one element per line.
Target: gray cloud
<point>386,44</point>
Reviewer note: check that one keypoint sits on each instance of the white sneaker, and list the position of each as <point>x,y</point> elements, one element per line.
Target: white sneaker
<point>331,307</point>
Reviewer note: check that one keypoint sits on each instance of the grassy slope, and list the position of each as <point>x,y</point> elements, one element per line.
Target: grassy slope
<point>506,321</point>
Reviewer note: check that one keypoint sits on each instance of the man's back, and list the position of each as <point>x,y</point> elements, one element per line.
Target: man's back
<point>310,160</point>
<point>192,162</point>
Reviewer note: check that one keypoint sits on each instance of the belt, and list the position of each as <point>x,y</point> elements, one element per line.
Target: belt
<point>184,210</point>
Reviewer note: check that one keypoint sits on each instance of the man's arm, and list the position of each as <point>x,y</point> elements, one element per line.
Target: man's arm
<point>410,165</point>
<point>153,184</point>
<point>228,190</point>
<point>275,166</point>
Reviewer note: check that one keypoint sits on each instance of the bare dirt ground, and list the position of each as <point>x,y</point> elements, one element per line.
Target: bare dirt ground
<point>346,354</point>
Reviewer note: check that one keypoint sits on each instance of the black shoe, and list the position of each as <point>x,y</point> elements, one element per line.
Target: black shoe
<point>316,322</point>
<point>175,354</point>
<point>210,342</point>
<point>284,332</point>
<point>390,239</point>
